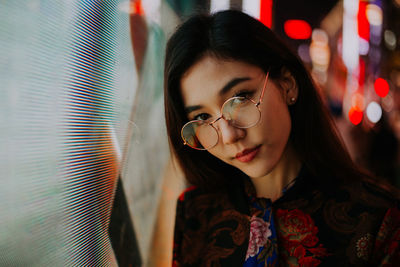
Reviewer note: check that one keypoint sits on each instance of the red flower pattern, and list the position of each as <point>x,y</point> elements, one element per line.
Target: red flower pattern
<point>298,235</point>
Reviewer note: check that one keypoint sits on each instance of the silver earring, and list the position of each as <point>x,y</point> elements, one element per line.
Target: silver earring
<point>292,99</point>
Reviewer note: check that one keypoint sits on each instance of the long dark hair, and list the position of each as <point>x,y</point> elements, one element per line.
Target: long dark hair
<point>236,36</point>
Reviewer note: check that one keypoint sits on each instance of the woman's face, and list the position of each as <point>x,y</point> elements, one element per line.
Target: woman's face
<point>256,150</point>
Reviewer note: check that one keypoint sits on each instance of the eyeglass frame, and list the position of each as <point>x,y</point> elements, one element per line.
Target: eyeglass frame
<point>217,119</point>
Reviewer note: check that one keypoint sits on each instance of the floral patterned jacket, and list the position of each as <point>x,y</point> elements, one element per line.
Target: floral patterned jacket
<point>353,225</point>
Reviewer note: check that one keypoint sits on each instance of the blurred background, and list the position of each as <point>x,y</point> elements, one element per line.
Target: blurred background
<point>86,178</point>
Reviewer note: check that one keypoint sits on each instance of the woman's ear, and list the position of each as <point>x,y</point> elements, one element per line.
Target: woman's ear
<point>289,87</point>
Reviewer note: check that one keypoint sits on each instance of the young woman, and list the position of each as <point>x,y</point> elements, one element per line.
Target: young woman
<point>271,181</point>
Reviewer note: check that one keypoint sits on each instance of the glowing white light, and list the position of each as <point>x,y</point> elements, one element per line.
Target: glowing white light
<point>350,45</point>
<point>374,112</point>
<point>319,50</point>
<point>390,39</point>
<point>251,7</point>
<point>350,7</point>
<point>320,36</point>
<point>152,10</point>
<point>364,47</point>
<point>217,5</point>
<point>320,56</point>
<point>374,14</point>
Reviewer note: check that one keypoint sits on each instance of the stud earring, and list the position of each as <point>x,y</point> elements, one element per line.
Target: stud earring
<point>292,99</point>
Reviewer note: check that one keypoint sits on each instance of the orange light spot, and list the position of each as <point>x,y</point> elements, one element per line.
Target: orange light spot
<point>357,102</point>
<point>297,29</point>
<point>381,87</point>
<point>137,7</point>
<point>355,115</point>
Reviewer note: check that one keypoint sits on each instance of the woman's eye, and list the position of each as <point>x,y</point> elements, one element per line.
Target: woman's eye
<point>246,94</point>
<point>202,117</point>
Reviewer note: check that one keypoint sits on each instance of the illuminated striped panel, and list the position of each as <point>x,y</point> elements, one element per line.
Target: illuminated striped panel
<point>91,168</point>
<point>32,42</point>
<point>67,87</point>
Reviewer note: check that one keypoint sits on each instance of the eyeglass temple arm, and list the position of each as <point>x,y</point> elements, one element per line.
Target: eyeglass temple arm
<point>263,90</point>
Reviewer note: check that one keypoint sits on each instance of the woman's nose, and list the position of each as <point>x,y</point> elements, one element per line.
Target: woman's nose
<point>229,133</point>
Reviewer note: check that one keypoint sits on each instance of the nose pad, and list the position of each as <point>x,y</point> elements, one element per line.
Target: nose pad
<point>229,134</point>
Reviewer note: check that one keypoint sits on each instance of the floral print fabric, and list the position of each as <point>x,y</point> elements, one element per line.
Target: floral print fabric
<point>298,235</point>
<point>262,248</point>
<point>299,238</point>
<point>260,233</point>
<point>310,225</point>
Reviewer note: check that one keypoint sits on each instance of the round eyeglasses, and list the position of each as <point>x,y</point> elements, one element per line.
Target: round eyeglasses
<point>240,112</point>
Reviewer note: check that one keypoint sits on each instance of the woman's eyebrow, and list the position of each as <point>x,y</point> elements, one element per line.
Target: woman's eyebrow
<point>231,84</point>
<point>192,108</point>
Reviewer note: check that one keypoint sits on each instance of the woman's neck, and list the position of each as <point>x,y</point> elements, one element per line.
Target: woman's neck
<point>287,169</point>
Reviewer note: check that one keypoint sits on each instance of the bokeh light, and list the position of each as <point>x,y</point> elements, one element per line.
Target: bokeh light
<point>390,39</point>
<point>381,87</point>
<point>304,52</point>
<point>297,29</point>
<point>355,115</point>
<point>374,14</point>
<point>364,47</point>
<point>319,50</point>
<point>374,112</point>
<point>363,23</point>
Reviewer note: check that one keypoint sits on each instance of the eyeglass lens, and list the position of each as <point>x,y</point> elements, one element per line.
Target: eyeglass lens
<point>238,111</point>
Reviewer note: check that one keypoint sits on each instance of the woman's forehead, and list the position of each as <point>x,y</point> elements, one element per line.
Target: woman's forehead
<point>208,76</point>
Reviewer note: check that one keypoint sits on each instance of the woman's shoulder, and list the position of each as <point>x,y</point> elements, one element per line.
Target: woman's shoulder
<point>374,193</point>
<point>189,193</point>
<point>194,198</point>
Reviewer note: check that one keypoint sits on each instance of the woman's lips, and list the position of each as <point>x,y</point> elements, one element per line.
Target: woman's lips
<point>248,154</point>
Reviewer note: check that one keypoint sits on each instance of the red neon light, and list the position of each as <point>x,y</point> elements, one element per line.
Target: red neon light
<point>355,115</point>
<point>297,29</point>
<point>137,7</point>
<point>363,24</point>
<point>381,87</point>
<point>266,12</point>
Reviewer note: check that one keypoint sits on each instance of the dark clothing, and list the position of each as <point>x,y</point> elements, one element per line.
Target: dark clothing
<point>357,224</point>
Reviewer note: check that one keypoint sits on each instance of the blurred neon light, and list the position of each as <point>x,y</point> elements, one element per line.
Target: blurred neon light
<point>374,112</point>
<point>137,7</point>
<point>319,50</point>
<point>350,35</point>
<point>304,52</point>
<point>355,115</point>
<point>363,24</point>
<point>374,14</point>
<point>381,87</point>
<point>364,47</point>
<point>390,39</point>
<point>297,29</point>
<point>252,7</point>
<point>266,13</point>
<point>217,5</point>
